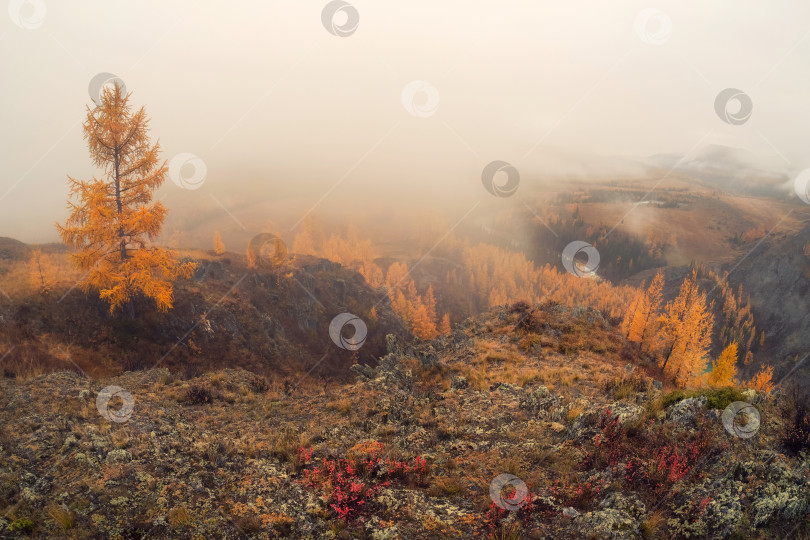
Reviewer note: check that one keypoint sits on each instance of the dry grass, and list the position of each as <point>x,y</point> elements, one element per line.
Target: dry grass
<point>446,486</point>
<point>528,375</point>
<point>179,516</point>
<point>509,531</point>
<point>284,444</point>
<point>15,275</point>
<point>62,516</point>
<point>120,438</point>
<point>651,525</point>
<point>574,411</point>
<point>342,406</point>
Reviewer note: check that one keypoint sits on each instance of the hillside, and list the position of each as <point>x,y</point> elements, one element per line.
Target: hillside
<point>410,449</point>
<point>271,321</point>
<point>776,275</point>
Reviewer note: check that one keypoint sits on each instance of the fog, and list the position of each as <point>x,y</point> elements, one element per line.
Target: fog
<point>290,119</point>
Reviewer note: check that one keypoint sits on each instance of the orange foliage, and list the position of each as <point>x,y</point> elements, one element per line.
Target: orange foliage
<point>488,276</point>
<point>351,251</point>
<point>418,313</point>
<point>687,326</point>
<point>763,380</point>
<point>724,371</point>
<point>252,263</point>
<point>310,240</point>
<point>499,276</point>
<point>444,327</point>
<point>114,221</point>
<point>422,326</point>
<point>219,245</point>
<point>641,322</point>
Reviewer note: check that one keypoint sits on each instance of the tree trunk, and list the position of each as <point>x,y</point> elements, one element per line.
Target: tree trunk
<point>669,354</point>
<point>120,207</point>
<point>130,306</point>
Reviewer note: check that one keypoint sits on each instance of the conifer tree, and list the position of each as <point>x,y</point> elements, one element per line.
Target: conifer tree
<point>252,263</point>
<point>630,314</point>
<point>114,222</point>
<point>445,328</point>
<point>310,240</point>
<point>396,276</point>
<point>763,380</point>
<point>219,245</point>
<point>687,324</point>
<point>651,324</point>
<point>639,321</point>
<point>642,321</point>
<point>421,325</point>
<point>430,305</point>
<point>724,371</point>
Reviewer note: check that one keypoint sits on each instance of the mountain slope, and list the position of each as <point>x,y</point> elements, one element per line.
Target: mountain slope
<point>271,321</point>
<point>776,274</point>
<point>412,449</point>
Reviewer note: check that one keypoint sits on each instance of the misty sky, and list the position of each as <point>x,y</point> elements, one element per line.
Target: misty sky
<point>281,111</point>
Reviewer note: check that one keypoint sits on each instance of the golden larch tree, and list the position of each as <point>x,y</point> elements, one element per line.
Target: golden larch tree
<point>401,307</point>
<point>372,273</point>
<point>430,305</point>
<point>638,322</point>
<point>630,314</point>
<point>421,325</point>
<point>444,327</point>
<point>252,263</point>
<point>219,245</point>
<point>763,380</point>
<point>396,276</point>
<point>687,324</point>
<point>113,221</point>
<point>42,272</point>
<point>641,324</point>
<point>310,240</point>
<point>724,371</point>
<point>654,299</point>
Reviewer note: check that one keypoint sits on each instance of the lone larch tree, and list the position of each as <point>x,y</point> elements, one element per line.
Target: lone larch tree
<point>113,221</point>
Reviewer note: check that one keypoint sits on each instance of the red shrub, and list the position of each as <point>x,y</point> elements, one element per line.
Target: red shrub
<point>652,459</point>
<point>495,514</point>
<point>579,496</point>
<point>349,483</point>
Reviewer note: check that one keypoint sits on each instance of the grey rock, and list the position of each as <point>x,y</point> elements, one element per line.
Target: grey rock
<point>459,382</point>
<point>504,387</point>
<point>119,455</point>
<point>570,512</point>
<point>686,411</point>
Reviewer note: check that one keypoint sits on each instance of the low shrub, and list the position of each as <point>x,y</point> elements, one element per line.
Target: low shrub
<point>716,398</point>
<point>720,398</point>
<point>581,495</point>
<point>494,525</point>
<point>22,524</point>
<point>648,458</point>
<point>199,393</point>
<point>350,483</point>
<point>672,398</point>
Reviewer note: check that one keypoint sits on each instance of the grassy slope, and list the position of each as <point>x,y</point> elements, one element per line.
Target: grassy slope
<point>216,456</point>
